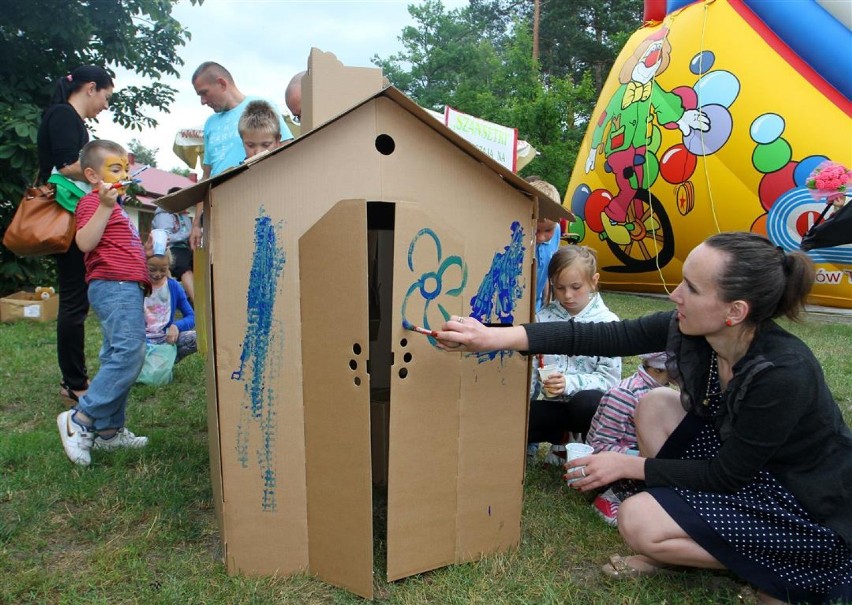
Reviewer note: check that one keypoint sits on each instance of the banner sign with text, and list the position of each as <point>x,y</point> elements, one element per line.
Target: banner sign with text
<point>498,142</point>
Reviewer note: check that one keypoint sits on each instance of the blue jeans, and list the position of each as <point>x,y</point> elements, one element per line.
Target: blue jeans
<point>118,305</point>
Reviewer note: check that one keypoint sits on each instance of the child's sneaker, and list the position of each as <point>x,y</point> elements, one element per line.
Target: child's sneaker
<point>557,456</point>
<point>606,506</point>
<point>532,452</point>
<point>122,439</point>
<point>76,439</point>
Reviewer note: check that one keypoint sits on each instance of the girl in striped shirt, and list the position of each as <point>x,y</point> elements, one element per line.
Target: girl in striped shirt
<point>613,429</point>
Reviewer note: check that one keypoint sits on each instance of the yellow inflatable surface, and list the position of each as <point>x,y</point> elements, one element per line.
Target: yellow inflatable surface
<point>707,123</point>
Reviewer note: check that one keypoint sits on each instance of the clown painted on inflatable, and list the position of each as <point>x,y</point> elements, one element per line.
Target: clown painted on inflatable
<point>713,117</point>
<point>626,120</point>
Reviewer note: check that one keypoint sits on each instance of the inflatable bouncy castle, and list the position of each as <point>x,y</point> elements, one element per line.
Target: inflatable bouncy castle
<point>714,115</point>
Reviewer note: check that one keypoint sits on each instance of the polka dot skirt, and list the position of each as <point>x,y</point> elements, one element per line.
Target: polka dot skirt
<point>764,524</point>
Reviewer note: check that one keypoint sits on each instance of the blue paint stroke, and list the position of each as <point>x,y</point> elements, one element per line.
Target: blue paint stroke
<point>423,232</point>
<point>501,288</point>
<point>430,285</point>
<point>259,344</point>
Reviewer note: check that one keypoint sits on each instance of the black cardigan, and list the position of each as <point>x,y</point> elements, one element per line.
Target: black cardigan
<point>778,413</point>
<point>61,135</point>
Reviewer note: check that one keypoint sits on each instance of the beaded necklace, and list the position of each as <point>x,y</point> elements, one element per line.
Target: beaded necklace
<point>712,381</point>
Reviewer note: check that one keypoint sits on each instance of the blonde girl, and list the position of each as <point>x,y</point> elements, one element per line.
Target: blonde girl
<point>566,398</point>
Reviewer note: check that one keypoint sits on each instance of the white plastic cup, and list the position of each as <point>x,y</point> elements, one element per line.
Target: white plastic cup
<point>574,451</point>
<point>546,371</point>
<point>161,239</point>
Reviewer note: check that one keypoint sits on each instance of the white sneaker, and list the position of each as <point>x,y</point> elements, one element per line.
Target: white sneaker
<point>122,439</point>
<point>76,438</point>
<point>557,456</point>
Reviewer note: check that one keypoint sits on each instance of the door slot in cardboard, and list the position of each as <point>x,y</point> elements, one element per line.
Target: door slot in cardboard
<point>380,237</point>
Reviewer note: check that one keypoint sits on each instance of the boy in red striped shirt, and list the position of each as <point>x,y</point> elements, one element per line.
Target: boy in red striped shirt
<point>117,278</point>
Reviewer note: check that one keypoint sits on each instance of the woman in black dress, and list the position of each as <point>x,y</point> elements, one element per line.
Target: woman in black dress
<point>749,466</point>
<point>78,96</point>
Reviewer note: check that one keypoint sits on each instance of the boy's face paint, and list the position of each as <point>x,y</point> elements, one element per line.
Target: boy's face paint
<point>114,170</point>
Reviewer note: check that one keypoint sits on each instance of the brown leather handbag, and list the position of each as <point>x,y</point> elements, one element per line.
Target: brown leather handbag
<point>40,225</point>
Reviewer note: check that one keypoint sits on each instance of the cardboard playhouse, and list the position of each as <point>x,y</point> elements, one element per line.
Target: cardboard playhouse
<point>319,400</point>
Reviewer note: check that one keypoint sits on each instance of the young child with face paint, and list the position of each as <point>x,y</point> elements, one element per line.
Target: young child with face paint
<point>117,278</point>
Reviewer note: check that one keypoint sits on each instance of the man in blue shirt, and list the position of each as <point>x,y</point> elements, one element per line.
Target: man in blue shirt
<point>223,147</point>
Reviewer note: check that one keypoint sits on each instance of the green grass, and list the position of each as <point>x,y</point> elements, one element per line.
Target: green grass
<point>139,527</point>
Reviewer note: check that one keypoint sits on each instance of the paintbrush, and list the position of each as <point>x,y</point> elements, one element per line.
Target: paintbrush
<point>407,325</point>
<point>140,171</point>
<point>119,184</point>
<point>130,180</point>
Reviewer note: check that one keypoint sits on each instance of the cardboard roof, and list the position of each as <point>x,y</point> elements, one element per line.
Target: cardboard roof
<point>548,208</point>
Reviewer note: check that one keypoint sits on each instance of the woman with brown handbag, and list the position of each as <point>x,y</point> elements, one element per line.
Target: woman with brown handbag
<point>78,96</point>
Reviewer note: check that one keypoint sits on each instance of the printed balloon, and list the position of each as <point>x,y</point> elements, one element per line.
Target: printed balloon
<point>598,200</point>
<point>677,164</point>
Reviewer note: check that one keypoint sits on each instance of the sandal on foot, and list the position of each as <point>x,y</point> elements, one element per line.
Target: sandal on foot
<point>618,567</point>
<point>70,396</point>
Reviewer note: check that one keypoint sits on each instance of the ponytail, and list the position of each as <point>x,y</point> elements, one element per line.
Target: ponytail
<point>800,274</point>
<point>71,83</point>
<point>773,282</point>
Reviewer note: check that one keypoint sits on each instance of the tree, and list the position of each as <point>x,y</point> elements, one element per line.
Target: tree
<point>442,57</point>
<point>39,47</point>
<point>478,61</point>
<point>144,155</point>
<point>585,36</point>
<point>576,37</point>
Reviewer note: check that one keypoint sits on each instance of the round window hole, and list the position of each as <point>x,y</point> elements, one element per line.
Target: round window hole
<point>403,342</point>
<point>407,357</point>
<point>385,144</point>
<point>356,348</point>
<point>353,364</point>
<point>403,372</point>
<point>357,381</point>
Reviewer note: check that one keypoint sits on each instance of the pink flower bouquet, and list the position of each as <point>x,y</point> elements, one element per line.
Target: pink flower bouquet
<point>829,180</point>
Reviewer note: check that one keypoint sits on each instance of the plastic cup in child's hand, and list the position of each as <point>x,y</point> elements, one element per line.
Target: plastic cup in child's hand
<point>546,371</point>
<point>574,451</point>
<point>160,238</point>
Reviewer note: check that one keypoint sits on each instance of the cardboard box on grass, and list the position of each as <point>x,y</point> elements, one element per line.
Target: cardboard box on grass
<point>317,252</point>
<point>22,305</point>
